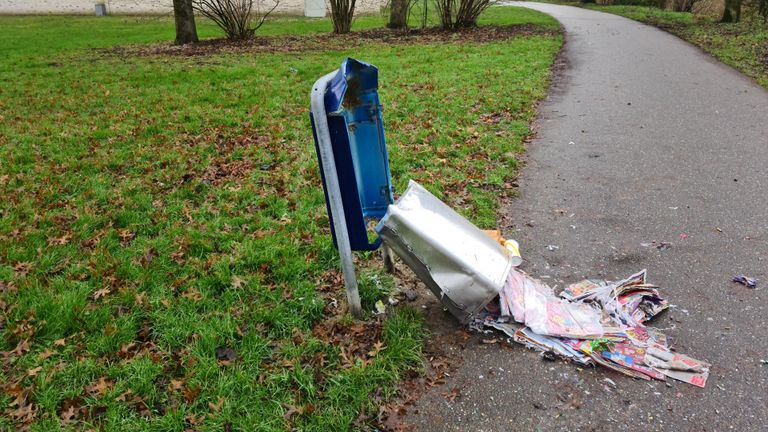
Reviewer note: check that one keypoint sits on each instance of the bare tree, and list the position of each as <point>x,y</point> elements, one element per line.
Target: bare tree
<point>186,30</point>
<point>235,17</point>
<point>342,12</point>
<point>458,14</point>
<point>398,15</point>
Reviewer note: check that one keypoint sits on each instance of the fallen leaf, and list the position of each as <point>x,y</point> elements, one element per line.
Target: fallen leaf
<point>193,294</point>
<point>178,256</point>
<point>216,407</point>
<point>101,293</point>
<point>377,347</point>
<point>46,354</point>
<point>34,371</point>
<point>237,282</point>
<point>177,384</point>
<point>7,287</point>
<point>60,342</point>
<point>21,348</point>
<point>100,387</point>
<point>22,268</point>
<point>291,410</point>
<point>125,235</point>
<point>122,397</point>
<point>139,298</point>
<point>60,241</point>
<point>190,393</point>
<point>68,415</point>
<point>454,394</point>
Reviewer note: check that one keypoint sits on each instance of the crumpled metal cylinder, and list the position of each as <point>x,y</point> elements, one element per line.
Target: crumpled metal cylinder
<point>462,266</point>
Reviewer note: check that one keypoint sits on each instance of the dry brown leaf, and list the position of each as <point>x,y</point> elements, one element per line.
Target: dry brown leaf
<point>237,282</point>
<point>60,342</point>
<point>123,396</point>
<point>178,256</point>
<point>177,384</point>
<point>192,294</point>
<point>290,410</point>
<point>21,348</point>
<point>100,387</point>
<point>22,268</point>
<point>60,241</point>
<point>139,298</point>
<point>377,347</point>
<point>125,235</point>
<point>7,287</point>
<point>101,293</point>
<point>68,416</point>
<point>216,407</point>
<point>452,395</point>
<point>191,392</point>
<point>34,371</point>
<point>46,354</point>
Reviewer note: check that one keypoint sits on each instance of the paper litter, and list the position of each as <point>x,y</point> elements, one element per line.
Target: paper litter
<point>592,322</point>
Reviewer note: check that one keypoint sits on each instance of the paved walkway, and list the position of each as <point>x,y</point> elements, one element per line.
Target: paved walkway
<point>643,138</point>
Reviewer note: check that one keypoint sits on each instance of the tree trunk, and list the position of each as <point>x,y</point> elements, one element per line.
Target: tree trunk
<point>398,16</point>
<point>342,12</point>
<point>732,11</point>
<point>186,30</point>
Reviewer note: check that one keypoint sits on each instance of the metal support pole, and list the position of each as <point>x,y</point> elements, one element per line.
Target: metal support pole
<point>389,263</point>
<point>328,164</point>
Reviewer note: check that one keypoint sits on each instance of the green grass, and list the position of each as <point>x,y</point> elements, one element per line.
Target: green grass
<point>154,210</point>
<point>743,45</point>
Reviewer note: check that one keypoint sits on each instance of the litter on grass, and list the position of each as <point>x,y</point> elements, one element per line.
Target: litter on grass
<point>592,322</point>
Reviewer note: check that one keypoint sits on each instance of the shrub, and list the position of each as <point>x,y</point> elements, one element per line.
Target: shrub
<point>458,14</point>
<point>235,17</point>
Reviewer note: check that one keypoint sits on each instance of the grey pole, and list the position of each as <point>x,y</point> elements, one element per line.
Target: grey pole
<point>328,164</point>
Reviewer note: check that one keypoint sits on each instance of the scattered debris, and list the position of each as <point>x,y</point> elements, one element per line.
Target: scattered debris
<point>746,281</point>
<point>549,356</point>
<point>380,308</point>
<point>410,295</point>
<point>683,236</point>
<point>225,353</point>
<point>592,322</point>
<point>663,246</point>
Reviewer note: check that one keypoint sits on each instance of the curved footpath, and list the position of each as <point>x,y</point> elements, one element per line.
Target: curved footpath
<point>643,138</point>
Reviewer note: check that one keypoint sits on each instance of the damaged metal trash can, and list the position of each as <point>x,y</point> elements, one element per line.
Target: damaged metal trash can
<point>349,139</point>
<point>460,264</point>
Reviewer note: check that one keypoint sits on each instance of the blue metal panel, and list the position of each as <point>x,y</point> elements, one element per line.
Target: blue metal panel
<point>357,136</point>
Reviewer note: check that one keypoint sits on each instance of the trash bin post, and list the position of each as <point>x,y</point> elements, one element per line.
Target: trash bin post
<point>389,262</point>
<point>335,205</point>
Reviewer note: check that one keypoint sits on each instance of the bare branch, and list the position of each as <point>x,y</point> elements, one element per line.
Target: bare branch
<point>235,17</point>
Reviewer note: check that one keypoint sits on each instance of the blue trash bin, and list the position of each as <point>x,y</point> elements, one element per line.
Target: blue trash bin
<point>353,112</point>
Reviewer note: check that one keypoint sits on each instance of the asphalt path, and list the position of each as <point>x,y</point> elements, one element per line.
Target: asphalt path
<point>643,138</point>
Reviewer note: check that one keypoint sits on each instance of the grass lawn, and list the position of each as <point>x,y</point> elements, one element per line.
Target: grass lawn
<point>165,258</point>
<point>743,45</point>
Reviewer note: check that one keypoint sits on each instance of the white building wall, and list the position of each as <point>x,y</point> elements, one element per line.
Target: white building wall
<point>87,7</point>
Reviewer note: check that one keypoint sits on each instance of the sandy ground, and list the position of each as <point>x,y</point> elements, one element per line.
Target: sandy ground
<point>138,6</point>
